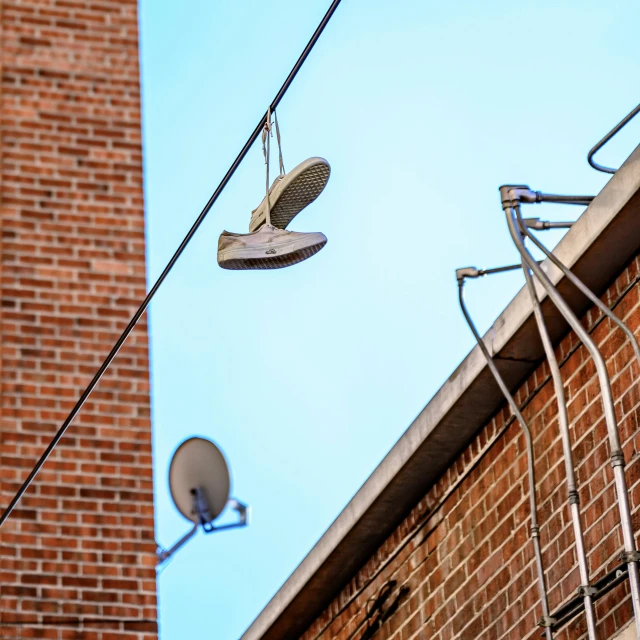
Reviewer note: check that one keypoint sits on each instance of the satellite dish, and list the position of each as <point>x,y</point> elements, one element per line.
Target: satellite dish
<point>199,480</point>
<point>200,485</point>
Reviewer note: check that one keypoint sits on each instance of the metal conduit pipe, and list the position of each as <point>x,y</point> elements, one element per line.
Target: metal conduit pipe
<point>586,589</point>
<point>511,206</point>
<point>582,287</point>
<point>613,132</point>
<point>535,528</point>
<point>543,225</point>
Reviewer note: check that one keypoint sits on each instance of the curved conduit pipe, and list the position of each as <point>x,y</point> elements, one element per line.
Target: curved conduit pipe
<point>511,205</point>
<point>535,528</point>
<point>613,132</point>
<point>586,590</point>
<point>582,287</point>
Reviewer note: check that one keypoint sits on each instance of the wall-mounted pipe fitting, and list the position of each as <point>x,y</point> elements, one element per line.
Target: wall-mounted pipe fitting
<point>544,225</point>
<point>512,195</point>
<point>467,272</point>
<point>473,272</point>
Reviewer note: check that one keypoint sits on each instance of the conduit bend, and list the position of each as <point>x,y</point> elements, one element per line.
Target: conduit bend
<point>613,132</point>
<point>582,287</point>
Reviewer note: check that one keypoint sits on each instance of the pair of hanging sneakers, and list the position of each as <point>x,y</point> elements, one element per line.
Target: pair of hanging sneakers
<point>270,246</point>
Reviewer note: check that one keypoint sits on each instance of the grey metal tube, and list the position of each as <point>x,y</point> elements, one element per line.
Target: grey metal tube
<point>535,528</point>
<point>597,147</point>
<point>562,199</point>
<point>488,272</point>
<point>617,458</point>
<point>165,554</point>
<point>587,292</point>
<point>563,421</point>
<point>542,225</point>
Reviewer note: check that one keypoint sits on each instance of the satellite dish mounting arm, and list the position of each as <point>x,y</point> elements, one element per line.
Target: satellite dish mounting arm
<point>244,517</point>
<point>201,509</point>
<point>165,554</point>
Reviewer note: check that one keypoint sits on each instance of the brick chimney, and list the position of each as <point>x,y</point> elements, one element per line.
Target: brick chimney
<point>78,554</point>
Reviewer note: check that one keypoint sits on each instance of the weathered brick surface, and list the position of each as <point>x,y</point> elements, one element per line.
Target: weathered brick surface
<point>464,552</point>
<point>80,546</point>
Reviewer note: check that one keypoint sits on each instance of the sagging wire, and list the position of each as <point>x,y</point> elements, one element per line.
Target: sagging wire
<point>183,245</point>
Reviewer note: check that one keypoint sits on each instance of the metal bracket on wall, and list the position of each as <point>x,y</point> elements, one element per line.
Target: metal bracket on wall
<point>630,556</point>
<point>599,589</point>
<point>547,622</point>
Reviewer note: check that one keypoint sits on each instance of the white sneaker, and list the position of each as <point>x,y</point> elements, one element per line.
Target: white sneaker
<point>267,248</point>
<point>291,193</point>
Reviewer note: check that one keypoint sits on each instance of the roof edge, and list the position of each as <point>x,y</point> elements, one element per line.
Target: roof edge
<point>597,247</point>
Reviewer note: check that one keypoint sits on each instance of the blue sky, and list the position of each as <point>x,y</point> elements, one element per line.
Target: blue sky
<point>306,377</point>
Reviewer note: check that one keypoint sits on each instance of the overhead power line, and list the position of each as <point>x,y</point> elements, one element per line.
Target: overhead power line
<point>183,245</point>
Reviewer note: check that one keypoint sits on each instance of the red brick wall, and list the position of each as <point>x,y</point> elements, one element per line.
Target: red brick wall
<point>464,552</point>
<point>80,547</point>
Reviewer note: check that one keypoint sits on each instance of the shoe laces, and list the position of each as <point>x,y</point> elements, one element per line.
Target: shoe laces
<point>270,226</point>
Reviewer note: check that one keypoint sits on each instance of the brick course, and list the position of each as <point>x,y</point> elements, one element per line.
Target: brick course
<point>80,547</point>
<point>464,551</point>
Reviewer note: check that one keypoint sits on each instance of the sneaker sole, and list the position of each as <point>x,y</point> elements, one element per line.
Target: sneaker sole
<point>302,191</point>
<point>271,262</point>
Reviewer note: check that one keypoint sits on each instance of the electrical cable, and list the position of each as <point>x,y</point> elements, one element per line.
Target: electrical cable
<point>145,303</point>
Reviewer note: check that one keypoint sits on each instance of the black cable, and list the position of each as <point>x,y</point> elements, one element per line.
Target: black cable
<point>145,303</point>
